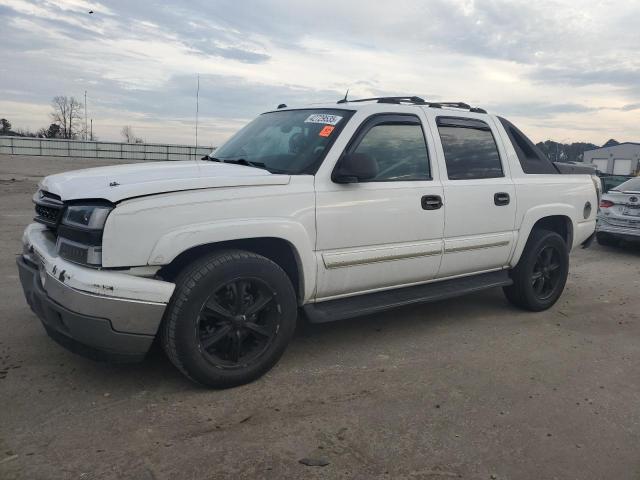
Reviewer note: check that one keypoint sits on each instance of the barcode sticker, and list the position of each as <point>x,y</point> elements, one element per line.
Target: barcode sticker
<point>323,118</point>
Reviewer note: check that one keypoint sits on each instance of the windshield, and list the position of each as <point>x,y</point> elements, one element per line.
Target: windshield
<point>632,185</point>
<point>288,141</point>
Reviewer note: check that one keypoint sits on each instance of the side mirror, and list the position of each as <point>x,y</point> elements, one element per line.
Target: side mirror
<point>355,167</point>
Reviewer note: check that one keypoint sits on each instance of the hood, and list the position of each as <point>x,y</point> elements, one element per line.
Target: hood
<point>120,182</point>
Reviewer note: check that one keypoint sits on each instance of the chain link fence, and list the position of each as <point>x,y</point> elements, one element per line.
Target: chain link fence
<point>109,150</point>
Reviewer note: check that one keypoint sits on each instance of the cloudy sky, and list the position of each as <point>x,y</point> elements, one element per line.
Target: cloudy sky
<point>564,70</point>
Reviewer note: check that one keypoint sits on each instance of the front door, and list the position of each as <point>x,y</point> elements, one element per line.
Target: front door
<point>479,196</point>
<point>387,231</point>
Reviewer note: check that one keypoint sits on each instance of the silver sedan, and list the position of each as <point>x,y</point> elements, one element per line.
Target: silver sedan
<point>619,214</point>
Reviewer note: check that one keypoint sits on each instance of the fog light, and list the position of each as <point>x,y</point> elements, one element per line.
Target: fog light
<point>79,253</point>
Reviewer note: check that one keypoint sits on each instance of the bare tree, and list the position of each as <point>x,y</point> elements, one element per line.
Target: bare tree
<point>129,136</point>
<point>67,113</point>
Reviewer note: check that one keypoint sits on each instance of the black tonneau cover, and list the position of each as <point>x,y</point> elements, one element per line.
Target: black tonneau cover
<point>572,168</point>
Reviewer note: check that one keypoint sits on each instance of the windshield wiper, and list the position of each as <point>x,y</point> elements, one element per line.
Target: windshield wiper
<point>236,161</point>
<point>244,161</point>
<point>247,163</point>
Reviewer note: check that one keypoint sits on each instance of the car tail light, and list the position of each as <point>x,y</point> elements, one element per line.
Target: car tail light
<point>606,204</point>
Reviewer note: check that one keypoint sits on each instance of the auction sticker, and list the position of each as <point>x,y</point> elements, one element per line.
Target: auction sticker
<point>323,118</point>
<point>326,131</point>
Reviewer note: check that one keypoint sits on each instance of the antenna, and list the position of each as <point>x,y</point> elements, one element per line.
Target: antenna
<point>85,115</point>
<point>345,99</point>
<point>197,111</point>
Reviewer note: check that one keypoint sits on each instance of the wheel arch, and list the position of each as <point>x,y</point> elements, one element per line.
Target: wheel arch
<point>278,250</point>
<point>555,219</point>
<point>561,224</point>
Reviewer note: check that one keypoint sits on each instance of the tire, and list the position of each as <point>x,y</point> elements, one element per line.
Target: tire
<point>213,331</point>
<point>537,284</point>
<point>606,240</point>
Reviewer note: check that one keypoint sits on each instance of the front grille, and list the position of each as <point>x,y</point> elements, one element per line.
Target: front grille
<point>48,208</point>
<point>47,213</point>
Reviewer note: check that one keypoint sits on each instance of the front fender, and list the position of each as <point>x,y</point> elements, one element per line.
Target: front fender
<point>177,241</point>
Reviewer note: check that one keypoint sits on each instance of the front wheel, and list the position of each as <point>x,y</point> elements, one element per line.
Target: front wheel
<point>230,319</point>
<point>541,274</point>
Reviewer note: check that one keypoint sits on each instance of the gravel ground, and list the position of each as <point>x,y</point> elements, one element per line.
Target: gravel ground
<point>466,388</point>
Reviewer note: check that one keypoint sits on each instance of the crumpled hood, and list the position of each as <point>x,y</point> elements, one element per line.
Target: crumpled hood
<point>120,182</point>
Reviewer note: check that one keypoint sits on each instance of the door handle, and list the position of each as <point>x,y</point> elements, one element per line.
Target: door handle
<point>431,202</point>
<point>501,199</point>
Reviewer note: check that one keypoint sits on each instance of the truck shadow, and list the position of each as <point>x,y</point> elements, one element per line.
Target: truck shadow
<point>624,248</point>
<point>327,341</point>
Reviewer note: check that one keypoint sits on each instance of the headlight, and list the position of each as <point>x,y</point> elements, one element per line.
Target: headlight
<point>86,216</point>
<point>80,233</point>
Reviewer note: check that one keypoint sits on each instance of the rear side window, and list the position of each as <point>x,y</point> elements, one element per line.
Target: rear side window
<point>532,159</point>
<point>470,151</point>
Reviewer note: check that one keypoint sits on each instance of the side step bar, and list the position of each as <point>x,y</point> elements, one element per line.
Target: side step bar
<point>331,310</point>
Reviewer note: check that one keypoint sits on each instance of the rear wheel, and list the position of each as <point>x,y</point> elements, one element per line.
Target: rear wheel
<point>541,274</point>
<point>230,319</point>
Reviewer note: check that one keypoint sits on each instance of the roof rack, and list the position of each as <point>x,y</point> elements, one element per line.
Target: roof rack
<point>416,101</point>
<point>396,100</point>
<point>460,105</point>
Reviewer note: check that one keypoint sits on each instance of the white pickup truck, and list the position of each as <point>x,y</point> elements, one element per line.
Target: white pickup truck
<point>334,212</point>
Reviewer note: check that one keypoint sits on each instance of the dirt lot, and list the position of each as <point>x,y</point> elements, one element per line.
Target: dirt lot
<point>467,388</point>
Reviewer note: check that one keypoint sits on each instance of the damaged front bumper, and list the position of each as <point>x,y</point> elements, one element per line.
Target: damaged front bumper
<point>102,314</point>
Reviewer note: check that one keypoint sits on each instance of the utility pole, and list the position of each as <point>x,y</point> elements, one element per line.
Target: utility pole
<point>85,115</point>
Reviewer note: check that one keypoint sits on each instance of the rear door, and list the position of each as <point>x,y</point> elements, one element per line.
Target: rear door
<point>479,195</point>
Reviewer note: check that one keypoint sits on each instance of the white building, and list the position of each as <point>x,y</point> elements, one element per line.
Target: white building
<point>622,159</point>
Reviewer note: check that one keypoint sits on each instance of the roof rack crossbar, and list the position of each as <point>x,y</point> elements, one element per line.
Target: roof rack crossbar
<point>416,101</point>
<point>460,105</point>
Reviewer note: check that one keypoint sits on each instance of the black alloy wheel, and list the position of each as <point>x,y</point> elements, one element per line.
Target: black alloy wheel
<point>238,322</point>
<point>541,273</point>
<point>230,319</point>
<point>546,272</point>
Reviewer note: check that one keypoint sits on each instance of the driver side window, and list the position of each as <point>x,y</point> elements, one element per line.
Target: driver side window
<point>399,149</point>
